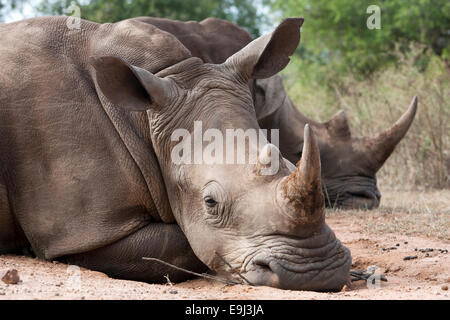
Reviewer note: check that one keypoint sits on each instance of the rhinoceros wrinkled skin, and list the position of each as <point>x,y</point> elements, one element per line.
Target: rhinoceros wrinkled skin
<point>349,164</point>
<point>86,118</point>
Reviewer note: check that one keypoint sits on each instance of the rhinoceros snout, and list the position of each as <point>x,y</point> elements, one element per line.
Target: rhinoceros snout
<point>364,199</point>
<point>352,193</point>
<point>323,268</point>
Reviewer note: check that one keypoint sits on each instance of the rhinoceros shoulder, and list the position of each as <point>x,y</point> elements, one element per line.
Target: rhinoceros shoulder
<point>213,40</point>
<point>226,29</point>
<point>138,43</point>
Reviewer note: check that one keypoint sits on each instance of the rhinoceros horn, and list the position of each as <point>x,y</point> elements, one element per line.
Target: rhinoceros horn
<point>303,186</point>
<point>338,125</point>
<point>308,167</point>
<point>268,154</point>
<point>381,147</point>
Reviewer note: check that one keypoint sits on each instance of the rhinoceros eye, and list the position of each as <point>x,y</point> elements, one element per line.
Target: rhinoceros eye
<point>215,199</point>
<point>210,202</point>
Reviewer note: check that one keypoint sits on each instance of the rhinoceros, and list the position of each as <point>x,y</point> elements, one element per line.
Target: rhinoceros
<point>349,164</point>
<point>87,174</point>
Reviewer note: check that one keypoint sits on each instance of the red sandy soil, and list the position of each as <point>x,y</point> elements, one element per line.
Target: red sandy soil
<point>426,277</point>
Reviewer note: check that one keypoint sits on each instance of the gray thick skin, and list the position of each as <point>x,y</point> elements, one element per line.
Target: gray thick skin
<point>348,169</point>
<point>86,181</point>
<point>77,175</point>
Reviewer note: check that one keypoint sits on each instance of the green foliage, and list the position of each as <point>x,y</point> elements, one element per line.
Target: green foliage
<point>7,5</point>
<point>240,11</point>
<point>336,33</point>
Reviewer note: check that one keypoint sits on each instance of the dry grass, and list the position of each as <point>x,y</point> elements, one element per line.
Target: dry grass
<point>415,181</point>
<point>406,212</point>
<point>422,160</point>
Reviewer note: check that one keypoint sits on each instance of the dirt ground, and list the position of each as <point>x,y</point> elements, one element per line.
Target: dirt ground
<point>405,221</point>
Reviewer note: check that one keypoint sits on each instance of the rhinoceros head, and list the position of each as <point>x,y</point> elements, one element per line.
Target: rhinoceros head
<point>349,164</point>
<point>352,162</point>
<point>268,225</point>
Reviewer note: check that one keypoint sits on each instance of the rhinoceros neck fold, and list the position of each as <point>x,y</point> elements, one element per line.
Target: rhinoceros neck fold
<point>134,132</point>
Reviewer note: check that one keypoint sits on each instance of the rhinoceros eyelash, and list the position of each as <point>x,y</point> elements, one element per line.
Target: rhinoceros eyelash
<point>217,214</point>
<point>215,210</point>
<point>213,190</point>
<point>210,201</point>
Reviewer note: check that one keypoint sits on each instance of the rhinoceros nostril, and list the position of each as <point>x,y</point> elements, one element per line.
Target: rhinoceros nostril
<point>263,265</point>
<point>378,194</point>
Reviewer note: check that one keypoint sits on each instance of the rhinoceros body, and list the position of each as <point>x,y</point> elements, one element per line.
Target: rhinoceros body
<point>86,118</point>
<point>59,145</point>
<point>349,164</point>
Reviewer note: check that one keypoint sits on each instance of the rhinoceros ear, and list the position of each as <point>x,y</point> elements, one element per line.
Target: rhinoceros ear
<point>131,87</point>
<point>269,54</point>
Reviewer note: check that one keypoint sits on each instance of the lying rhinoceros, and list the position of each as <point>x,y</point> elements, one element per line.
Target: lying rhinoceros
<point>349,164</point>
<point>87,172</point>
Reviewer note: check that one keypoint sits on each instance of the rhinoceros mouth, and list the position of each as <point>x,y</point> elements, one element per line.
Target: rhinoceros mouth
<point>352,193</point>
<point>363,200</point>
<point>321,268</point>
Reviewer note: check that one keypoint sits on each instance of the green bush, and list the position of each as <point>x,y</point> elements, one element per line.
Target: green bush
<point>335,32</point>
<point>243,12</point>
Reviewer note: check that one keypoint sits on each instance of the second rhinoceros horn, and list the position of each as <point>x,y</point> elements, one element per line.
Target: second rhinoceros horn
<point>380,147</point>
<point>266,154</point>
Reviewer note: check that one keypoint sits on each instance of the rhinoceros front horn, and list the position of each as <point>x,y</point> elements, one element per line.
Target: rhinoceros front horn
<point>303,187</point>
<point>381,147</point>
<point>308,167</point>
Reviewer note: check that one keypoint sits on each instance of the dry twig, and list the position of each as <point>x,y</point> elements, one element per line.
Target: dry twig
<point>233,270</point>
<point>203,275</point>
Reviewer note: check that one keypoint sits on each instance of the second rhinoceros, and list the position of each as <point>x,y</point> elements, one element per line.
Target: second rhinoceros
<point>349,164</point>
<point>86,168</point>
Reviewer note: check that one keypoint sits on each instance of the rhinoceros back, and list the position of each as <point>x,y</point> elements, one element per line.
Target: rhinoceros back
<point>81,173</point>
<point>213,40</point>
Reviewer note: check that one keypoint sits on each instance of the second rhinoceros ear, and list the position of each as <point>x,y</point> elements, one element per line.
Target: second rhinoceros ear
<point>269,54</point>
<point>131,87</point>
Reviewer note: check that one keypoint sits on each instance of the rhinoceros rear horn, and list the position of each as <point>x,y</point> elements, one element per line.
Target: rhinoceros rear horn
<point>338,126</point>
<point>381,147</point>
<point>131,87</point>
<point>269,54</point>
